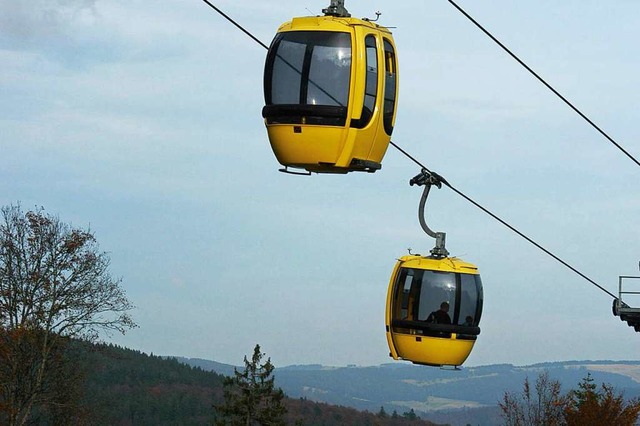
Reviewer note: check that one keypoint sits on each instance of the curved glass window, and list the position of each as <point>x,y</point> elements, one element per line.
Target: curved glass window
<point>309,68</point>
<point>470,300</point>
<point>419,294</point>
<point>371,84</point>
<point>390,86</point>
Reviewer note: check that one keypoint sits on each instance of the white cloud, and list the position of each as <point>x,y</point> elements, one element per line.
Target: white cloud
<point>41,20</point>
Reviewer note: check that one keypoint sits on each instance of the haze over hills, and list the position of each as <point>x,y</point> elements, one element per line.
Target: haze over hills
<point>458,397</point>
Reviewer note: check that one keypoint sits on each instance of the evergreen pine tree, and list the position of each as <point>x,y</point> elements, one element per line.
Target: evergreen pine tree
<point>589,406</point>
<point>586,390</point>
<point>250,396</point>
<point>411,415</point>
<point>382,414</point>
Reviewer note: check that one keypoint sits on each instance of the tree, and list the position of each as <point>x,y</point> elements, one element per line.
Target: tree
<point>542,406</point>
<point>54,287</point>
<point>585,406</point>
<point>382,413</point>
<point>590,407</point>
<point>250,396</point>
<point>411,415</point>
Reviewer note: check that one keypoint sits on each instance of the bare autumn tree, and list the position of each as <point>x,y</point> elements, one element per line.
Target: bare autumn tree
<point>542,405</point>
<point>54,287</point>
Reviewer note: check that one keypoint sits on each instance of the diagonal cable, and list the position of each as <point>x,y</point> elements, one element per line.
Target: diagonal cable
<point>565,100</point>
<point>503,222</point>
<point>240,27</point>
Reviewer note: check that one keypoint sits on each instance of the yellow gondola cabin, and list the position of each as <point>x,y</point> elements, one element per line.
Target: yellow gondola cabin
<point>330,86</point>
<point>419,286</point>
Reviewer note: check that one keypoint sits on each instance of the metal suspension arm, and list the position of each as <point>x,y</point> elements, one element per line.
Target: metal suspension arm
<point>427,179</point>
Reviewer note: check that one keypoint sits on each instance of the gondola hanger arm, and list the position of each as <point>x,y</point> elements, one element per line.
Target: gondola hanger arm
<point>427,179</point>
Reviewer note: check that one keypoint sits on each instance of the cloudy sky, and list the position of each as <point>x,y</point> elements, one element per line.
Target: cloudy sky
<point>141,120</point>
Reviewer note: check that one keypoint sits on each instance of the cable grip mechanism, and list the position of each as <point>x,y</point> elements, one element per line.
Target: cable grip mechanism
<point>427,179</point>
<point>336,8</point>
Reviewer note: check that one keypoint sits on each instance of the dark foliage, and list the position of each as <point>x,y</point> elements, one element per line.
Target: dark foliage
<point>303,412</point>
<point>127,387</point>
<point>250,396</point>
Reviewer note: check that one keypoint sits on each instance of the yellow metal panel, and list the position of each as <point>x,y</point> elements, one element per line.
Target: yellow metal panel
<point>432,350</point>
<point>313,145</point>
<point>447,264</point>
<point>380,145</point>
<point>328,23</point>
<point>358,71</point>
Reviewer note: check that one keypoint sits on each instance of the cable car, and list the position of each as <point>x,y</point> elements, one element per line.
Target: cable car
<point>419,287</point>
<point>330,88</point>
<point>434,303</point>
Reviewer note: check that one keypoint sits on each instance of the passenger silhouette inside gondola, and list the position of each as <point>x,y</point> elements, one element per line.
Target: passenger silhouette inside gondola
<point>440,316</point>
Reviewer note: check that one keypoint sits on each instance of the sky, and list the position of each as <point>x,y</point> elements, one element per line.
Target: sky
<point>142,121</point>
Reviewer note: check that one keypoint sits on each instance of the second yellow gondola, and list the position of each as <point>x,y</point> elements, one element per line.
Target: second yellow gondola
<point>422,287</point>
<point>434,302</point>
<point>330,86</point>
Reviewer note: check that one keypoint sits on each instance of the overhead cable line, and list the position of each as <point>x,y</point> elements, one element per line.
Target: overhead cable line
<point>485,210</point>
<point>240,27</point>
<point>573,107</point>
<point>503,222</point>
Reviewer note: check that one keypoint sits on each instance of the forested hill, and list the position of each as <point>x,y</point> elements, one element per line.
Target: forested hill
<point>466,396</point>
<point>127,387</point>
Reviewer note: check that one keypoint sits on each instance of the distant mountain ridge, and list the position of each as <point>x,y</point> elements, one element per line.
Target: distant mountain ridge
<point>207,365</point>
<point>442,396</point>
